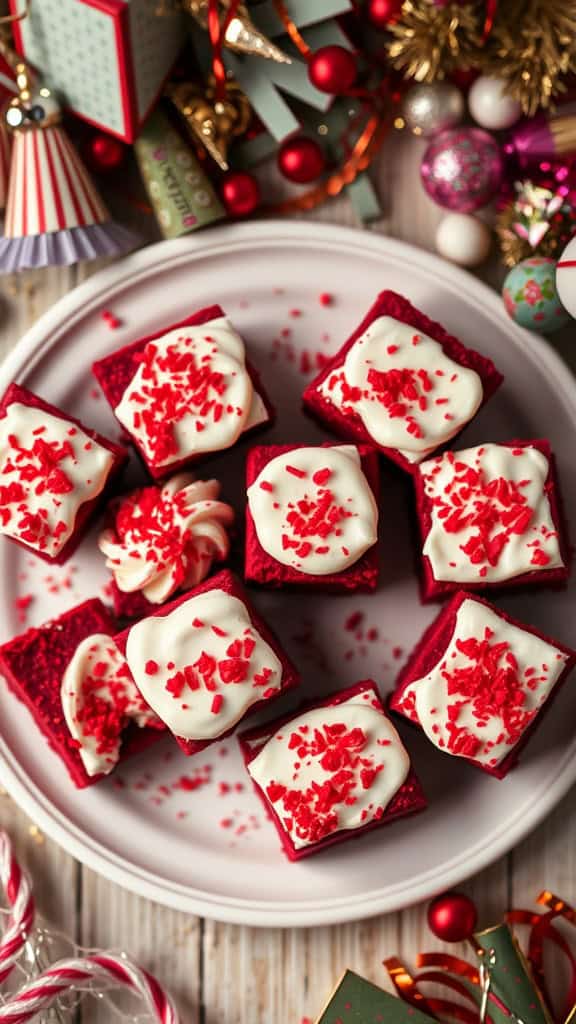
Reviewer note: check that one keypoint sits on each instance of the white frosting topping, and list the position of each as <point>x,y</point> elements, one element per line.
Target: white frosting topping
<point>99,699</point>
<point>332,768</point>
<point>48,468</point>
<point>488,686</point>
<point>166,538</point>
<point>313,509</point>
<point>491,517</point>
<point>191,393</point>
<point>408,393</point>
<point>202,666</point>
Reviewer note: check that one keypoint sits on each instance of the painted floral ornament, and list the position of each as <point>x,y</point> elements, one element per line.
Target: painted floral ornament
<point>530,295</point>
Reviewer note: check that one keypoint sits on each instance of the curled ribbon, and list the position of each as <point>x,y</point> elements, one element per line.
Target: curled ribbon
<point>217,32</point>
<point>542,930</point>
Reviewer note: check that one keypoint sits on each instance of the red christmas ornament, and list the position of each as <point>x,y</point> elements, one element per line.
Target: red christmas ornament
<point>382,13</point>
<point>104,153</point>
<point>452,917</point>
<point>332,69</point>
<point>301,160</point>
<point>240,193</point>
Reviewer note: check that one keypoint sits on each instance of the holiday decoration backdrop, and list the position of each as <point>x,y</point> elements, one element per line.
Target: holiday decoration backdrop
<point>270,975</point>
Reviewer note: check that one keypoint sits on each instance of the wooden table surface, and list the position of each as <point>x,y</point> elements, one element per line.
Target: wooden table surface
<point>225,974</point>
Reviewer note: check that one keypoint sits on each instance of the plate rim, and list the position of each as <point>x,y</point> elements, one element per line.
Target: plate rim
<point>76,304</point>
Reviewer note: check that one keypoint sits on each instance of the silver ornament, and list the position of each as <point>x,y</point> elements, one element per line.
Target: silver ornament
<point>430,108</point>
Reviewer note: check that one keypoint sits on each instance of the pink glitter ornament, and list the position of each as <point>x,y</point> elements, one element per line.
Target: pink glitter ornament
<point>462,169</point>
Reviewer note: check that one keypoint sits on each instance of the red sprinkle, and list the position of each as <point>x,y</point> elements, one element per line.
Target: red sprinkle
<point>217,703</point>
<point>151,668</point>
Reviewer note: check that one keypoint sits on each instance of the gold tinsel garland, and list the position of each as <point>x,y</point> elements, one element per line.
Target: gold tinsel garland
<point>429,42</point>
<point>531,45</point>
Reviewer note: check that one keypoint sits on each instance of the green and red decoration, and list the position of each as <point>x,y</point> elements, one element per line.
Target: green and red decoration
<point>500,985</point>
<point>357,1001</point>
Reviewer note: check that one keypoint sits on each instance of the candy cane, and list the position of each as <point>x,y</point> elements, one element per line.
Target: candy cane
<point>18,889</point>
<point>66,975</point>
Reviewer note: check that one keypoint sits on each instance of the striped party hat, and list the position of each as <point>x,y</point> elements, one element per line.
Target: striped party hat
<point>54,214</point>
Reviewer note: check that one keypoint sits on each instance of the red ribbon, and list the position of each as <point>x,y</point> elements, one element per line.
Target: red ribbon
<point>491,8</point>
<point>542,930</point>
<point>451,968</point>
<point>217,32</point>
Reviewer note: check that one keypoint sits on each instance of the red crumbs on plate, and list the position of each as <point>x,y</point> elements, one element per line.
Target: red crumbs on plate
<point>325,299</point>
<point>353,621</point>
<point>189,783</point>
<point>397,652</point>
<point>111,320</point>
<point>22,605</point>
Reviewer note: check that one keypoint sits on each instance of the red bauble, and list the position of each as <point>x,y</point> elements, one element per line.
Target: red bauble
<point>382,13</point>
<point>105,153</point>
<point>240,193</point>
<point>301,160</point>
<point>332,69</point>
<point>452,917</point>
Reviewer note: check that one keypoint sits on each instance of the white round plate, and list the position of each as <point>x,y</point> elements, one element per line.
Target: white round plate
<point>189,832</point>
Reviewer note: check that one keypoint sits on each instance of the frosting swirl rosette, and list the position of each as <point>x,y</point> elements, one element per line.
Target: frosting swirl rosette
<point>164,539</point>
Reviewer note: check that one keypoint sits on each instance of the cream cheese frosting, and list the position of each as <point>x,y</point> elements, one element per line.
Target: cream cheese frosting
<point>491,517</point>
<point>191,394</point>
<point>487,687</point>
<point>48,468</point>
<point>99,699</point>
<point>202,666</point>
<point>165,539</point>
<point>331,768</point>
<point>313,509</point>
<point>409,395</point>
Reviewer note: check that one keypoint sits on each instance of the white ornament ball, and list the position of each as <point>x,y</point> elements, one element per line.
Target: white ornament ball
<point>429,108</point>
<point>566,278</point>
<point>463,239</point>
<point>490,107</point>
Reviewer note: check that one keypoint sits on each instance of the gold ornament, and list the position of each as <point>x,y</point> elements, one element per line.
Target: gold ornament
<point>242,35</point>
<point>211,121</point>
<point>538,222</point>
<point>429,41</point>
<point>531,47</point>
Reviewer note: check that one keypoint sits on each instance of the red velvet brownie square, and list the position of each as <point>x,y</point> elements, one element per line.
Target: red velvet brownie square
<point>332,772</point>
<point>205,661</point>
<point>401,383</point>
<point>185,392</point>
<point>312,517</point>
<point>162,539</point>
<point>73,681</point>
<point>490,517</point>
<point>53,473</point>
<point>479,682</point>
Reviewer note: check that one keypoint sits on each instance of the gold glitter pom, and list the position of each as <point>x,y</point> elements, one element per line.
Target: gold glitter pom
<point>36,834</point>
<point>538,222</point>
<point>429,42</point>
<point>531,47</point>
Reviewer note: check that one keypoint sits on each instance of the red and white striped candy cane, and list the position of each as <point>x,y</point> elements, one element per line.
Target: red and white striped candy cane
<point>18,889</point>
<point>39,995</point>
